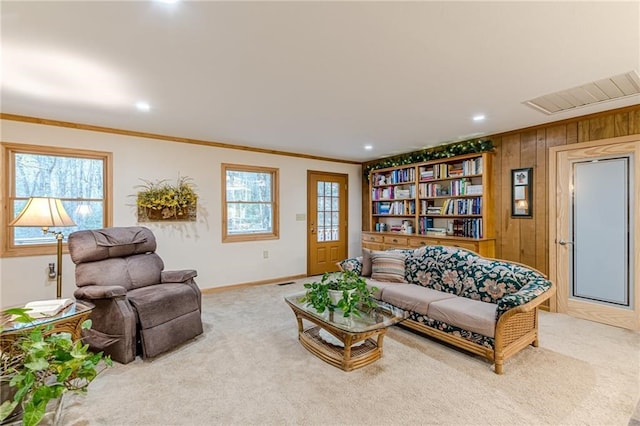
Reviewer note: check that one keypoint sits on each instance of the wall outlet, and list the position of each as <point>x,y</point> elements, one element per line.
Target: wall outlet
<point>265,254</point>
<point>51,271</point>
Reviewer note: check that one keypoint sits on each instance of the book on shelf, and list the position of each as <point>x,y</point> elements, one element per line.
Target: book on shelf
<point>426,174</point>
<point>444,209</point>
<point>472,166</point>
<point>474,189</point>
<point>47,308</point>
<point>455,171</point>
<point>383,208</point>
<point>436,233</point>
<point>403,193</point>
<point>433,229</point>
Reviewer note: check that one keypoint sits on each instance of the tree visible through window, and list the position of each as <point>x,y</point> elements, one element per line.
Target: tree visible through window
<point>250,203</point>
<point>78,178</point>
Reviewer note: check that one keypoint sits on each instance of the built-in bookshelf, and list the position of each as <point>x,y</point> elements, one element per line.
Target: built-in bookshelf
<point>448,200</point>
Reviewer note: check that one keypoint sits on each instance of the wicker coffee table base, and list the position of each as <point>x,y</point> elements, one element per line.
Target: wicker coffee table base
<point>347,358</point>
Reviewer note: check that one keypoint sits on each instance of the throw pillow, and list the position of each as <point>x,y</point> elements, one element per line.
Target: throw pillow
<point>387,266</point>
<point>366,262</point>
<point>353,264</point>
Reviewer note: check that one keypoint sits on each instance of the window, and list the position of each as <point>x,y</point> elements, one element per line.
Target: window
<point>249,207</point>
<point>79,178</point>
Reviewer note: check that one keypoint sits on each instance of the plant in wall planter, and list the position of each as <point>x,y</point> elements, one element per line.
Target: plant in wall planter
<point>345,291</point>
<point>37,366</point>
<point>160,200</point>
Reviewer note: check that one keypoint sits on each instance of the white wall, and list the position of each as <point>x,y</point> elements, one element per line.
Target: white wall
<point>182,245</point>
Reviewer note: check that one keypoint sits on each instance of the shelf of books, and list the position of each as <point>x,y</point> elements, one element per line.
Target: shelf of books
<point>449,200</point>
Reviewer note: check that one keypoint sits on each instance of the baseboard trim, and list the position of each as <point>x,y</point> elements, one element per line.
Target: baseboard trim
<point>252,284</point>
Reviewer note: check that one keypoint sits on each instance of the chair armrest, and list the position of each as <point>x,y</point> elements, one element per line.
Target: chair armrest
<point>352,264</point>
<point>92,292</point>
<point>527,298</point>
<point>177,276</point>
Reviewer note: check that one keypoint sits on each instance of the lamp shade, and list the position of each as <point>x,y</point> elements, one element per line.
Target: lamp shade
<point>43,212</point>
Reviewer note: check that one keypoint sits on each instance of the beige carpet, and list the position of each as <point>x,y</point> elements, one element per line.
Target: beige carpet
<point>249,369</point>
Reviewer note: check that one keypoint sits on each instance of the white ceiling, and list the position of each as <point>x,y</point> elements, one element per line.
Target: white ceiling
<point>318,78</point>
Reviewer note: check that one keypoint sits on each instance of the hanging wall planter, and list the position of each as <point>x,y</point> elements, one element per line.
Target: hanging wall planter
<point>161,201</point>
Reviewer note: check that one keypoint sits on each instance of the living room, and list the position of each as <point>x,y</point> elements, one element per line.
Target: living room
<point>144,148</point>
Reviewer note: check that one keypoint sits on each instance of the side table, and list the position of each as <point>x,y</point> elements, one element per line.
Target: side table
<point>68,321</point>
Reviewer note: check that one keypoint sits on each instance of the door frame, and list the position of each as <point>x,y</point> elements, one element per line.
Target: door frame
<point>309,207</point>
<point>558,271</point>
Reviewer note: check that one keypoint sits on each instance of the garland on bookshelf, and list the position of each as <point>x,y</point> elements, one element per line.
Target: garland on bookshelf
<point>444,151</point>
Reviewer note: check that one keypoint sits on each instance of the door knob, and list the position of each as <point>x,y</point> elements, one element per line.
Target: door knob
<point>564,243</point>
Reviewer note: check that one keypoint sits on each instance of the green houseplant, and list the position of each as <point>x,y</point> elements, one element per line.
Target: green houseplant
<point>37,366</point>
<point>162,200</point>
<point>355,294</point>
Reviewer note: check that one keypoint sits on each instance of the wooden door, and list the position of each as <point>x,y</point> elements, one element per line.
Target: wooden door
<point>326,221</point>
<point>594,243</point>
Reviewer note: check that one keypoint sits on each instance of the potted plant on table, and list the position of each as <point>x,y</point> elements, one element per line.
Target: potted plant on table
<point>351,289</point>
<point>37,366</point>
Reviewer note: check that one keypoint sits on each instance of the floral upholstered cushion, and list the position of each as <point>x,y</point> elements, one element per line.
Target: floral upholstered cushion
<point>526,294</point>
<point>491,280</point>
<point>387,266</point>
<point>441,268</point>
<point>352,264</point>
<point>476,338</point>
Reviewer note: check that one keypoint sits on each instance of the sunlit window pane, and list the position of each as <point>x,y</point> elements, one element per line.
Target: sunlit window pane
<point>250,207</point>
<point>328,209</point>
<point>78,181</point>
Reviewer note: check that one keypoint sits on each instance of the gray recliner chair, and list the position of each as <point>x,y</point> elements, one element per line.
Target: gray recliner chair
<point>139,308</point>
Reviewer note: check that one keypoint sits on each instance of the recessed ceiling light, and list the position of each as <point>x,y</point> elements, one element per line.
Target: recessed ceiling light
<point>368,147</point>
<point>143,106</point>
<point>168,1</point>
<point>479,117</point>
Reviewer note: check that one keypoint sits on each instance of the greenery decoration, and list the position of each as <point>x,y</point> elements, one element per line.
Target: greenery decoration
<point>161,200</point>
<point>41,366</point>
<point>355,293</point>
<point>436,153</point>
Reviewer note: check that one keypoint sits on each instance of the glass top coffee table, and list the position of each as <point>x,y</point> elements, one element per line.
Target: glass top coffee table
<point>346,343</point>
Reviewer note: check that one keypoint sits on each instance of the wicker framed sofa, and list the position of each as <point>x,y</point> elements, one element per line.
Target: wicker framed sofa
<point>486,306</point>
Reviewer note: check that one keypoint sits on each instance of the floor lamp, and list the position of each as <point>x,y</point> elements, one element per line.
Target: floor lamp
<point>46,212</point>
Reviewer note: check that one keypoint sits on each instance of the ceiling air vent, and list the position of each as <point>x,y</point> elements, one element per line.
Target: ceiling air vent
<point>616,87</point>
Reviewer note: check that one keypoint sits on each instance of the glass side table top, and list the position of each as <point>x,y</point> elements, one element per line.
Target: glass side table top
<point>382,316</point>
<point>76,308</point>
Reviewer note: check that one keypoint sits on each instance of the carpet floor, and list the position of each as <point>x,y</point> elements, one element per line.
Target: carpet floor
<point>249,369</point>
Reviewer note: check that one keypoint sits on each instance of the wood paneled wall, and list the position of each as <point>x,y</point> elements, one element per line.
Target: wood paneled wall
<point>525,240</point>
